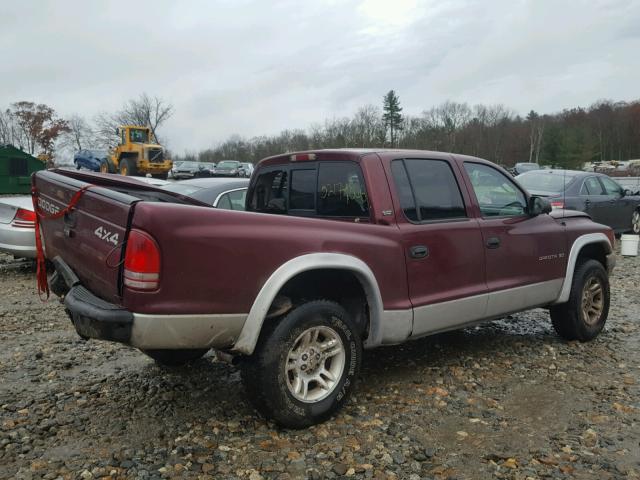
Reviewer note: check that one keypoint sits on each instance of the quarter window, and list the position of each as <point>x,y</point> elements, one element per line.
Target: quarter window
<point>497,195</point>
<point>233,200</point>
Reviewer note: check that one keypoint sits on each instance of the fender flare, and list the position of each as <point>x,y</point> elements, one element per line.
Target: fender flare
<point>248,337</point>
<point>577,246</point>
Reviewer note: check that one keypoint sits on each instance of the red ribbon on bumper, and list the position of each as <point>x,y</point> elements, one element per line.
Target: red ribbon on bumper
<point>41,270</point>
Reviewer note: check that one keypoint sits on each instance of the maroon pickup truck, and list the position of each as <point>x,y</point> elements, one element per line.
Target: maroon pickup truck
<point>339,250</point>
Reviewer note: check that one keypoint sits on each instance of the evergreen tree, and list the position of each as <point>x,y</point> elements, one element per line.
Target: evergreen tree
<point>392,116</point>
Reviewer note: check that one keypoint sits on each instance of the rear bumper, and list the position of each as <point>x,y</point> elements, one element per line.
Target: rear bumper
<point>95,318</point>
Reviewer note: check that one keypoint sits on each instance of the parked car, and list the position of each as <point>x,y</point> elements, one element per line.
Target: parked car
<point>223,193</point>
<point>597,194</point>
<point>228,168</point>
<point>17,226</point>
<point>90,159</point>
<point>205,170</point>
<point>522,167</point>
<point>174,169</point>
<point>338,249</point>
<point>246,169</point>
<point>188,170</point>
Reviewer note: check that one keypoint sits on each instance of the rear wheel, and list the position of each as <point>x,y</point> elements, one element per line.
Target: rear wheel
<point>635,222</point>
<point>175,358</point>
<point>305,365</point>
<point>161,176</point>
<point>128,167</point>
<point>583,317</point>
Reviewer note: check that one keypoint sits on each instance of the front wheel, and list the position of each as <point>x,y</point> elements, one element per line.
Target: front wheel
<point>583,317</point>
<point>128,167</point>
<point>635,222</point>
<point>305,365</point>
<point>175,358</point>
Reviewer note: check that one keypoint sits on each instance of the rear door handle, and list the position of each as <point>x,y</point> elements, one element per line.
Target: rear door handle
<point>419,251</point>
<point>493,242</point>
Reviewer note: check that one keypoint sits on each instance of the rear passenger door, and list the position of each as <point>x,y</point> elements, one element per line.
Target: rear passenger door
<point>442,244</point>
<point>525,255</point>
<point>595,201</point>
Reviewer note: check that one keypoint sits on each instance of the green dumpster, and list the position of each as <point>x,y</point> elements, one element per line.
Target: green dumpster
<point>16,168</point>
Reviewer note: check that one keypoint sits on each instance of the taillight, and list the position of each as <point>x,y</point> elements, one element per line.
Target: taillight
<point>302,157</point>
<point>557,204</point>
<point>141,262</point>
<point>24,219</point>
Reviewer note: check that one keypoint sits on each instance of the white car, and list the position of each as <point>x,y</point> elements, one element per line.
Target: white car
<point>17,226</point>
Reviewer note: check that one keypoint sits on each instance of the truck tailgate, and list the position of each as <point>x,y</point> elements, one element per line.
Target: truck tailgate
<point>89,238</point>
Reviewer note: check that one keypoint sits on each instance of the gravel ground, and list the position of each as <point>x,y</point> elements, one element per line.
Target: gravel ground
<point>505,400</point>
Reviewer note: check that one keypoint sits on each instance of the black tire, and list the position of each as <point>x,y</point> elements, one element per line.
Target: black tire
<point>129,165</point>
<point>635,222</point>
<point>175,358</point>
<point>161,176</point>
<point>77,165</point>
<point>264,376</point>
<point>569,320</point>
<point>106,166</point>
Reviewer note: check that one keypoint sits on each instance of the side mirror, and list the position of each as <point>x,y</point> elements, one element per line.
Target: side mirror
<point>626,192</point>
<point>538,206</point>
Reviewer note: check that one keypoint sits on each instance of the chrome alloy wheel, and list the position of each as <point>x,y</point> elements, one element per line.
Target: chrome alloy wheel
<point>592,301</point>
<point>315,364</point>
<point>635,222</point>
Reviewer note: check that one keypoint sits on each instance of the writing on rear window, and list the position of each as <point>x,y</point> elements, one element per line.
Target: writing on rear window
<point>104,234</point>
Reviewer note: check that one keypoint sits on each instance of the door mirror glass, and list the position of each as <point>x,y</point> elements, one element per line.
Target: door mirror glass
<point>538,206</point>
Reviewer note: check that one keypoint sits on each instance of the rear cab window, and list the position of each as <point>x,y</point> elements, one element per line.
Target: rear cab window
<point>327,189</point>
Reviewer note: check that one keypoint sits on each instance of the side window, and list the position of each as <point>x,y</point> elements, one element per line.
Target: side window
<point>497,195</point>
<point>341,190</point>
<point>428,190</point>
<point>269,195</point>
<point>591,186</point>
<point>611,187</point>
<point>303,190</point>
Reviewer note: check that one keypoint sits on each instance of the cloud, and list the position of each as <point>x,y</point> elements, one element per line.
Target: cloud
<point>253,68</point>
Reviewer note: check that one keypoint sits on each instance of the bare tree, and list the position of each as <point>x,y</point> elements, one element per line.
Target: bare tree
<point>79,136</point>
<point>147,111</point>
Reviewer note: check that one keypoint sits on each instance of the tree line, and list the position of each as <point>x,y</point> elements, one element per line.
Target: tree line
<point>605,130</point>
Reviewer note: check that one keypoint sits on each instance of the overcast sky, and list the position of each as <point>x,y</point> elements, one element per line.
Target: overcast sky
<point>257,67</point>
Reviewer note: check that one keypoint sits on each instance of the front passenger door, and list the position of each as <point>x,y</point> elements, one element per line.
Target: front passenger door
<point>525,255</point>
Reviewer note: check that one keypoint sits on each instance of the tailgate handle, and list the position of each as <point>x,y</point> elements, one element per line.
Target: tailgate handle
<point>69,224</point>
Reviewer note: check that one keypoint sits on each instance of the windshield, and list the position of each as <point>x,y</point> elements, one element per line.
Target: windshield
<point>138,135</point>
<point>545,182</point>
<point>188,165</point>
<point>228,164</point>
<point>181,188</point>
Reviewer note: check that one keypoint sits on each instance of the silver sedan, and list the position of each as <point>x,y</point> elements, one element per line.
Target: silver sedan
<point>17,226</point>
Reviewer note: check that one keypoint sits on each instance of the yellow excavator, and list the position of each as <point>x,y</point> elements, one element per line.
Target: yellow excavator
<point>138,153</point>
